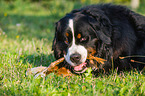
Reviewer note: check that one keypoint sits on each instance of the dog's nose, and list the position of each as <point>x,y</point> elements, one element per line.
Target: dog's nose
<point>75,58</point>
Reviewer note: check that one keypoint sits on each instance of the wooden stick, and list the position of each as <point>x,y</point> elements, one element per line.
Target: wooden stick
<point>99,60</point>
<point>52,65</point>
<point>44,72</point>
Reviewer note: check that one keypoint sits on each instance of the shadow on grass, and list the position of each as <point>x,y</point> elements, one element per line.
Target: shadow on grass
<point>38,60</point>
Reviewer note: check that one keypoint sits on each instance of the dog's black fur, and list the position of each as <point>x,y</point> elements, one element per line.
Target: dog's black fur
<point>113,31</point>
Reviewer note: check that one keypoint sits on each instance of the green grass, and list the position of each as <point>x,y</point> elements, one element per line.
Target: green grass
<point>26,34</point>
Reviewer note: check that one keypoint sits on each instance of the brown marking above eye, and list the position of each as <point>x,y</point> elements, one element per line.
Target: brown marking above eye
<point>67,34</point>
<point>79,36</point>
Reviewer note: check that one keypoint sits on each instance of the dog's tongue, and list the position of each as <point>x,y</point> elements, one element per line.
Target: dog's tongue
<point>79,67</point>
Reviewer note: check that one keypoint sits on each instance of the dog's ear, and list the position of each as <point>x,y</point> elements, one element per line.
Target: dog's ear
<point>101,24</point>
<point>138,21</point>
<point>57,46</point>
<point>57,25</point>
<point>54,44</point>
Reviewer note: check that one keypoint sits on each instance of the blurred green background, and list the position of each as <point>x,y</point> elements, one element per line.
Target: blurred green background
<point>29,18</point>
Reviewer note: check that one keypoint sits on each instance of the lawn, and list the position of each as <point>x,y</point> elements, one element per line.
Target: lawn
<point>26,34</point>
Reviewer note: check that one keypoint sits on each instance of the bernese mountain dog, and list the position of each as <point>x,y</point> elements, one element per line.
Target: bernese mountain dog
<point>112,32</point>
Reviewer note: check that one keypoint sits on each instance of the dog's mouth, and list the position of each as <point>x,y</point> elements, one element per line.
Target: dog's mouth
<point>81,68</point>
<point>92,61</point>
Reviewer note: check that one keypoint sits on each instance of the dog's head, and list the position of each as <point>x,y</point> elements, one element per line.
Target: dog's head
<point>80,33</point>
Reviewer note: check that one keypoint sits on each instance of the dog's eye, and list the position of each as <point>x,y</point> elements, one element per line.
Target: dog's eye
<point>66,41</point>
<point>84,39</point>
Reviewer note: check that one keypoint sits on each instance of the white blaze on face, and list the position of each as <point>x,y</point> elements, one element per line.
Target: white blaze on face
<point>75,48</point>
